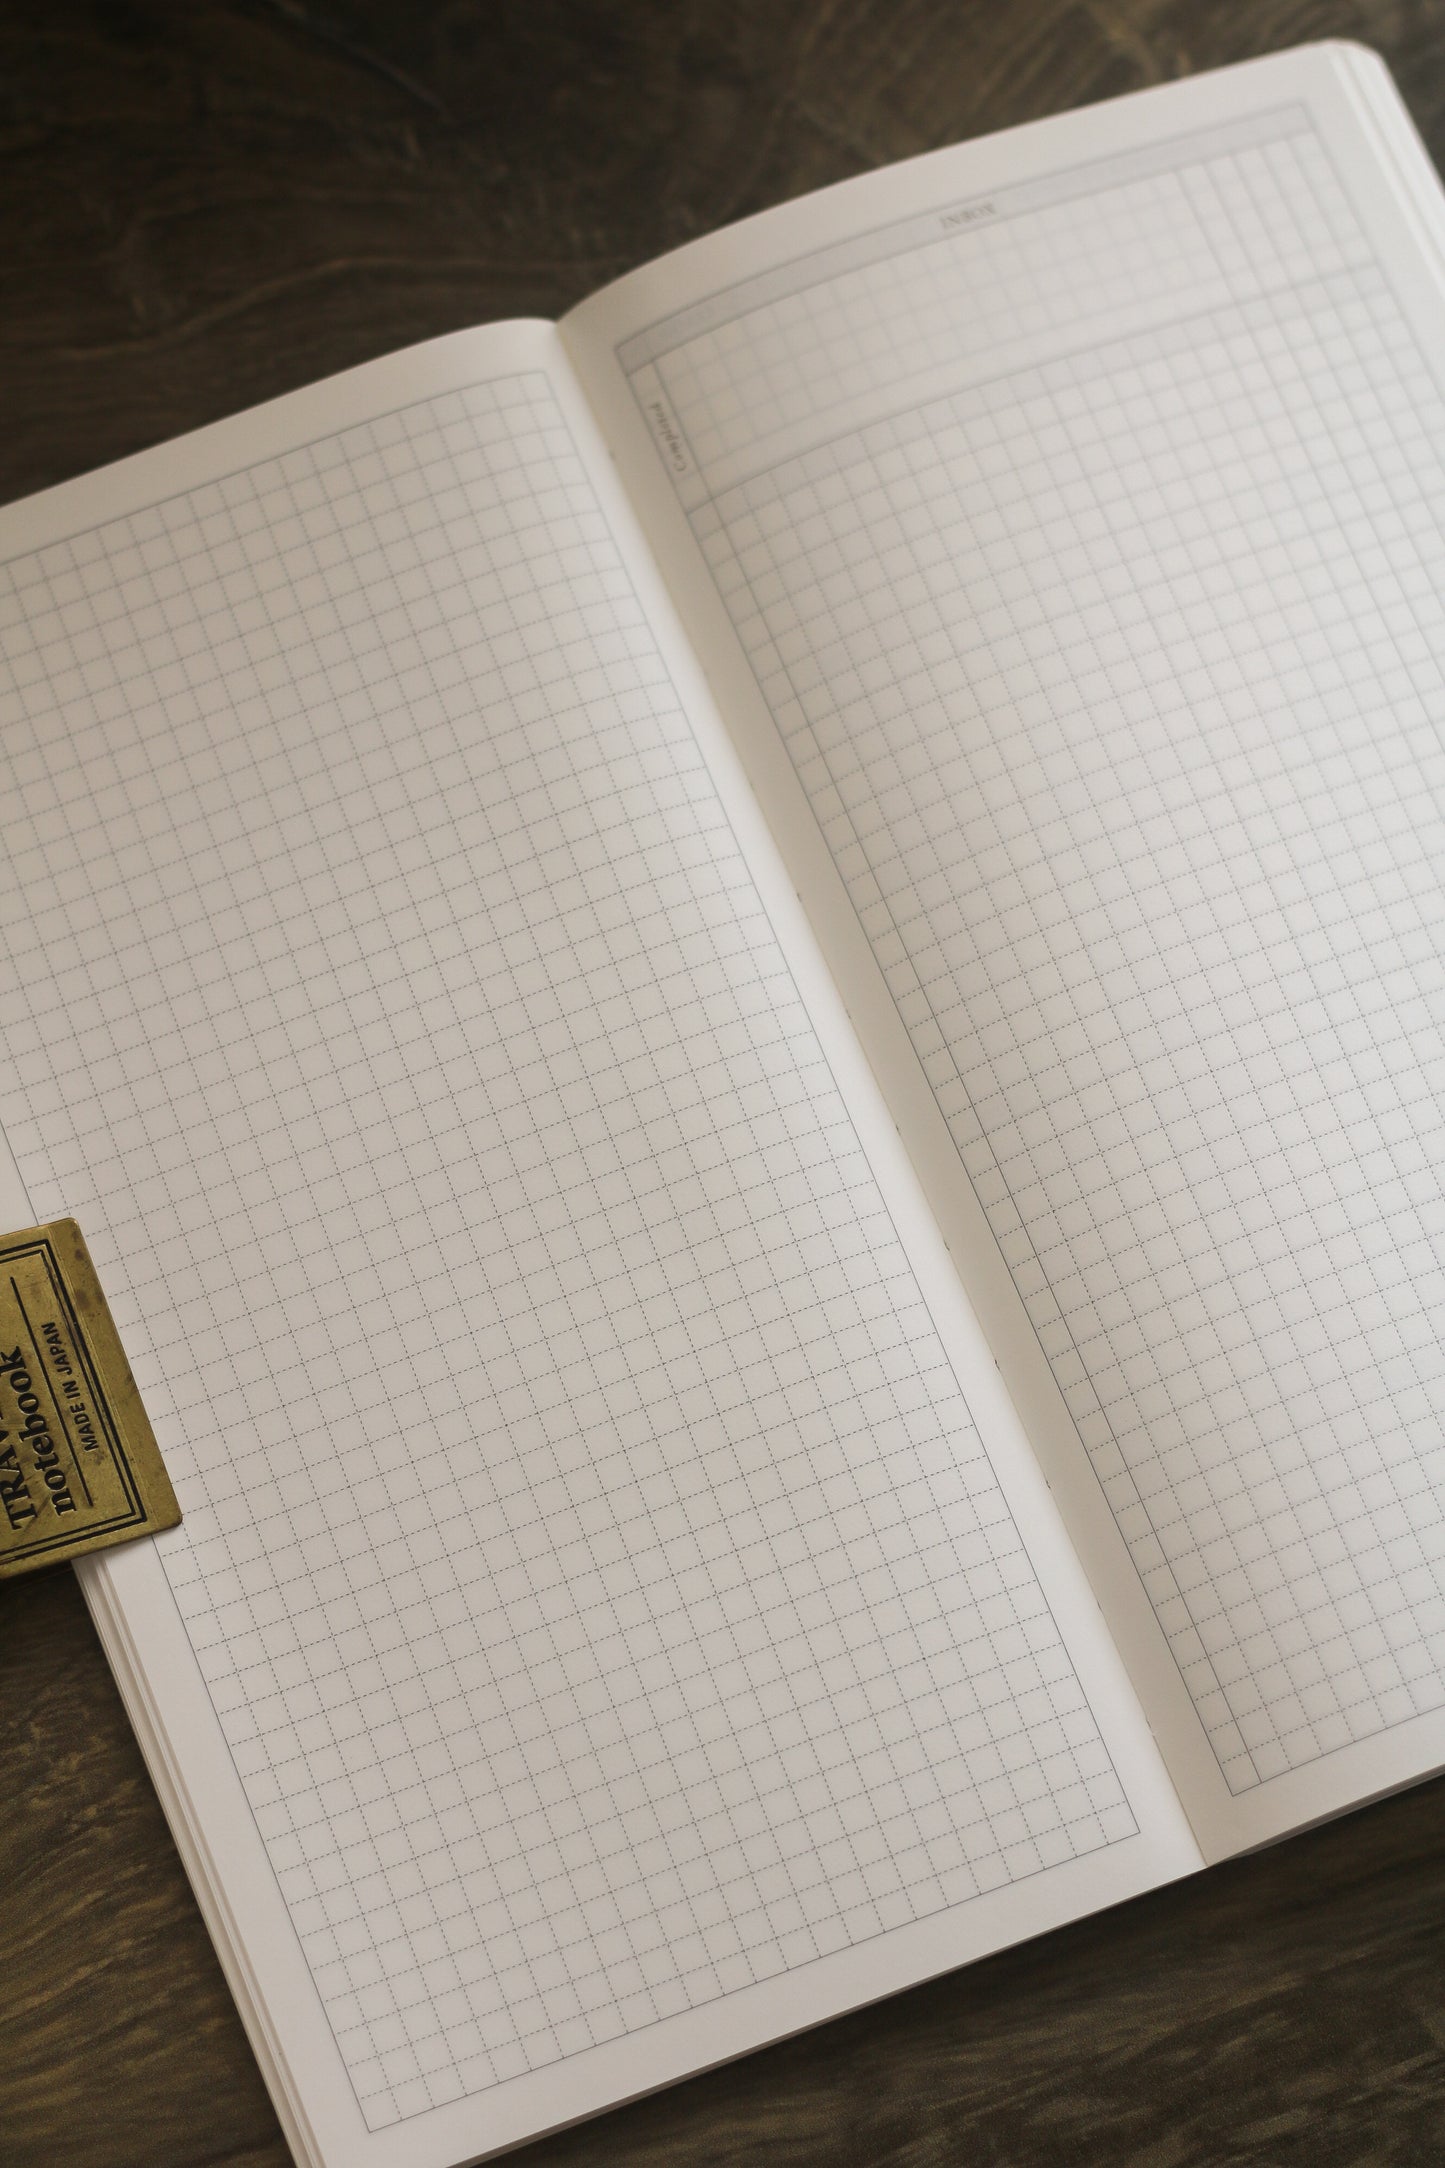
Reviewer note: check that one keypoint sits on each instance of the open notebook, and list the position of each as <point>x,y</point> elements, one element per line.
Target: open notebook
<point>745,1002</point>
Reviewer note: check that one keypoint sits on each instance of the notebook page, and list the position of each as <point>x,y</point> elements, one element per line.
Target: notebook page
<point>598,1638</point>
<point>1070,510</point>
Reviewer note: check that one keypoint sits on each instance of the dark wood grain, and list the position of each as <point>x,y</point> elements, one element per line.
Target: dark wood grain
<point>208,204</point>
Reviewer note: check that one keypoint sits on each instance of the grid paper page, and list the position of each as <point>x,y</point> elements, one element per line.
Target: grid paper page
<point>1114,684</point>
<point>1066,267</point>
<point>603,1590</point>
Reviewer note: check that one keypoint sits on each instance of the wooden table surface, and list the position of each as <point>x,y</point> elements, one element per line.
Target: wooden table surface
<point>206,204</point>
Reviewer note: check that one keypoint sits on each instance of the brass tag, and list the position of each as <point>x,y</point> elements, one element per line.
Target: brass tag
<point>79,1465</point>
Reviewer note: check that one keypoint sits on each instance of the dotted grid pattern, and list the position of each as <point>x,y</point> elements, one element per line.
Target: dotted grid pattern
<point>1070,266</point>
<point>602,1588</point>
<point>1114,687</point>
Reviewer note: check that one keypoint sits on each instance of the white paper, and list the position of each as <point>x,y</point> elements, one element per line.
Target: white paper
<point>1070,511</point>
